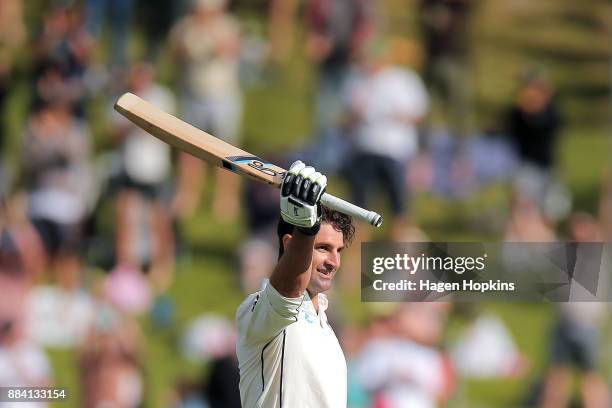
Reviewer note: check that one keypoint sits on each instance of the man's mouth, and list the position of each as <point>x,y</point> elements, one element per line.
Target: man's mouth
<point>327,273</point>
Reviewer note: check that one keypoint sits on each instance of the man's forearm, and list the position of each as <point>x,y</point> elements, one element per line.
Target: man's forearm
<point>300,198</point>
<point>292,273</point>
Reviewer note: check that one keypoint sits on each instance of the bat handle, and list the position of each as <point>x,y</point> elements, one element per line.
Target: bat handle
<point>354,211</point>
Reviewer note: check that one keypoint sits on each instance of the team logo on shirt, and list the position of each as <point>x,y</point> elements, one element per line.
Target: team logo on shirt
<point>308,317</point>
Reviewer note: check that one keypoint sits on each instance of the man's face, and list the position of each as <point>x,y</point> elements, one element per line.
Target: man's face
<point>325,259</point>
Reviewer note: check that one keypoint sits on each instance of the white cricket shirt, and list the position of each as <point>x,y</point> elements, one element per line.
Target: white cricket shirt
<point>288,355</point>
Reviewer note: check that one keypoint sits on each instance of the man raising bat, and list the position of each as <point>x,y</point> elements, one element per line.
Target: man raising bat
<point>288,354</point>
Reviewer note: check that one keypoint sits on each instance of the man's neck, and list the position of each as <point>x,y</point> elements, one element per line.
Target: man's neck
<point>314,298</point>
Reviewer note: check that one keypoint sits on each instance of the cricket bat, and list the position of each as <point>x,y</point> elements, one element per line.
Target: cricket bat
<point>198,143</point>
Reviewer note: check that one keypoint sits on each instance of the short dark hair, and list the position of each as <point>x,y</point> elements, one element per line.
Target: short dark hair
<point>340,222</point>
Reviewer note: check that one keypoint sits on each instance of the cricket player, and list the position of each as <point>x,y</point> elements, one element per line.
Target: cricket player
<point>288,354</point>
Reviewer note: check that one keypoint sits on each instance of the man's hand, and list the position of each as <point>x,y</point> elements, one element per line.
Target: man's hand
<point>301,192</point>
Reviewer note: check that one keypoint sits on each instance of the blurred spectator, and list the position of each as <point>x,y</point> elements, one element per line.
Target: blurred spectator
<point>352,341</point>
<point>527,223</point>
<point>455,168</point>
<point>280,28</point>
<point>385,104</point>
<point>187,394</point>
<point>12,37</point>
<point>337,31</point>
<point>18,268</point>
<point>583,227</point>
<point>12,34</point>
<point>60,315</point>
<point>23,363</point>
<point>259,252</point>
<point>445,30</point>
<point>63,55</point>
<point>155,17</point>
<point>213,339</point>
<point>207,44</point>
<point>491,156</point>
<point>52,87</point>
<point>451,170</point>
<point>487,350</point>
<point>128,290</point>
<point>118,14</point>
<point>254,55</point>
<point>109,361</point>
<point>533,121</point>
<point>575,339</point>
<point>208,337</point>
<point>57,315</point>
<point>145,203</point>
<point>605,207</point>
<point>19,238</point>
<point>61,191</point>
<point>415,334</point>
<point>533,125</point>
<point>222,387</point>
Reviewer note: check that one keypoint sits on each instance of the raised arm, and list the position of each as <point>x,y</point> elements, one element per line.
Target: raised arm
<point>292,273</point>
<point>300,194</point>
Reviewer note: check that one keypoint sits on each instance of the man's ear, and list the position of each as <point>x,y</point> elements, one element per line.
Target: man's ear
<point>286,239</point>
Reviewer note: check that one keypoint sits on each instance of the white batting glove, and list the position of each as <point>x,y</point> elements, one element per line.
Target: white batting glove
<point>301,192</point>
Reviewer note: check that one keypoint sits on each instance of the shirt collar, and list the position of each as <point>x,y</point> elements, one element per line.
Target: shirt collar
<point>308,306</point>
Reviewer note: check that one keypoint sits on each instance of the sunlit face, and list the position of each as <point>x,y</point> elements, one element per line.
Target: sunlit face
<point>533,98</point>
<point>328,245</point>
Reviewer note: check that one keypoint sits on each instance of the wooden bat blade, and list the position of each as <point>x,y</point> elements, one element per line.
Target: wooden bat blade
<point>196,142</point>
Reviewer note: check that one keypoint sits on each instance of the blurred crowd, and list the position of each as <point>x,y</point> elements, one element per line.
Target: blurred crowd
<point>90,226</point>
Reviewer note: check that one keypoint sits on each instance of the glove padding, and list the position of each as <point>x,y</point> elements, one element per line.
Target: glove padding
<point>301,193</point>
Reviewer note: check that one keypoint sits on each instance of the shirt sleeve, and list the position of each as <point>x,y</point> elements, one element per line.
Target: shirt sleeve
<point>264,315</point>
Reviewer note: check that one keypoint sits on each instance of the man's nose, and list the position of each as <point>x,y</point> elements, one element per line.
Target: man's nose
<point>333,260</point>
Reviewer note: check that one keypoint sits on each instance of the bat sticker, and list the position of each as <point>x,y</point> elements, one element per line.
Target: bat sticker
<point>252,161</point>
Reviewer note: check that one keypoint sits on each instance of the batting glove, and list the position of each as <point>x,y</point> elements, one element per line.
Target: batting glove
<point>301,193</point>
